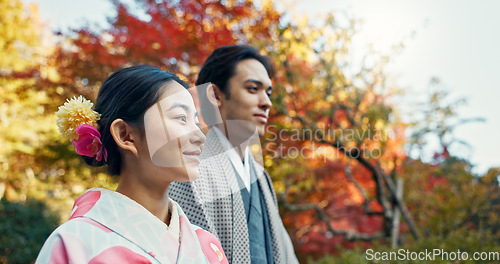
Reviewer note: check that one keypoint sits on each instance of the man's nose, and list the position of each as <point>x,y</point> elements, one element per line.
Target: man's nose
<point>265,101</point>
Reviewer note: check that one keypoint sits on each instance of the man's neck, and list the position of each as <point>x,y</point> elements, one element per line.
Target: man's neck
<point>239,144</point>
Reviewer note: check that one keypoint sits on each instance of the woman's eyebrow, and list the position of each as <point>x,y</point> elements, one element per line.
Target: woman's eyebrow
<point>183,106</point>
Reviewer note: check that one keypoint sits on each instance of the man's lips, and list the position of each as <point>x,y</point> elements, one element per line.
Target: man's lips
<point>261,117</point>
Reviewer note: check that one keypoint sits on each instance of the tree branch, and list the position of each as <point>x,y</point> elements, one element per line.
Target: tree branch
<point>349,235</point>
<point>378,177</point>
<point>361,190</point>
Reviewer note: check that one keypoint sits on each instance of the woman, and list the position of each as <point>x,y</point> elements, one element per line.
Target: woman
<point>144,128</point>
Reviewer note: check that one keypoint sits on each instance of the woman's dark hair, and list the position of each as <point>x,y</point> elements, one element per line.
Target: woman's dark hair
<point>127,94</point>
<point>221,64</point>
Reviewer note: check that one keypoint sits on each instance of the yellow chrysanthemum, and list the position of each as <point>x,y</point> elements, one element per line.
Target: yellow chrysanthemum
<point>73,113</point>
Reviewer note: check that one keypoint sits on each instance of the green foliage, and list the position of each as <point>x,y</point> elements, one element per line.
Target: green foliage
<point>346,256</point>
<point>437,117</point>
<point>453,208</point>
<point>460,240</point>
<point>35,161</point>
<point>17,43</point>
<point>454,198</point>
<point>24,227</point>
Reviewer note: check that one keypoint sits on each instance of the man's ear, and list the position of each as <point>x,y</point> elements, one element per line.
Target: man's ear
<point>124,135</point>
<point>215,95</point>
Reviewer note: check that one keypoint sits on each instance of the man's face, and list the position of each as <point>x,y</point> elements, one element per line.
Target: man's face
<point>250,90</point>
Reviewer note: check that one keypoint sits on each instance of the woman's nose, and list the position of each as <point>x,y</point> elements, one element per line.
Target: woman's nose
<point>197,137</point>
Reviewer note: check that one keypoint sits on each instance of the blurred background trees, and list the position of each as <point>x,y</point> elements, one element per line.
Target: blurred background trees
<point>335,148</point>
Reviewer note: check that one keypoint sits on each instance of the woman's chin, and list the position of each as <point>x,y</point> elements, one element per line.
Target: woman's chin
<point>180,174</point>
<point>192,173</point>
<point>188,174</point>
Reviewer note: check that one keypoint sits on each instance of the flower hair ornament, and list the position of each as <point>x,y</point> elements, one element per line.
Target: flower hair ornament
<point>77,122</point>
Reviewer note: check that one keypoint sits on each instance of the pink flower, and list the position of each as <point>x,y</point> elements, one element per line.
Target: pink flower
<point>119,254</point>
<point>211,247</point>
<point>89,142</point>
<point>84,203</point>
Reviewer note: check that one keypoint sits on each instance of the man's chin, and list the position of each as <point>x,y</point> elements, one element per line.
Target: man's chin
<point>261,130</point>
<point>244,129</point>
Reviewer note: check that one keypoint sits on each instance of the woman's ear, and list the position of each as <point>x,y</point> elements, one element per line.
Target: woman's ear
<point>124,135</point>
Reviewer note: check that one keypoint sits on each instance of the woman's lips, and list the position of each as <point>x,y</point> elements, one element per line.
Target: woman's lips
<point>193,156</point>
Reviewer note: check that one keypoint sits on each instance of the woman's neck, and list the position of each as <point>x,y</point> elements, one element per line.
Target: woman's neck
<point>148,194</point>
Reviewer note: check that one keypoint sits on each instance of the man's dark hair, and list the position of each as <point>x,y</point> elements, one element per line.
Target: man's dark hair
<point>221,64</point>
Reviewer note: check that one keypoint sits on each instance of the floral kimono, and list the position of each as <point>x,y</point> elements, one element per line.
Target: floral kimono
<point>108,227</point>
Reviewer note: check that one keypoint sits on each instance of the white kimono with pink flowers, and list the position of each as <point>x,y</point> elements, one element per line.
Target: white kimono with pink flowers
<point>108,227</point>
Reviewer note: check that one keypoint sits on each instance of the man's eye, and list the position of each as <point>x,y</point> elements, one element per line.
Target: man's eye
<point>252,89</point>
<point>269,91</point>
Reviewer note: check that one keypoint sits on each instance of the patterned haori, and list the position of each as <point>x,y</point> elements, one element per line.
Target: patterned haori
<point>108,227</point>
<point>214,202</point>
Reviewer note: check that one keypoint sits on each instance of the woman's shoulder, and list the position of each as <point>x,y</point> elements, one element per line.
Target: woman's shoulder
<point>83,239</point>
<point>78,232</point>
<point>83,225</point>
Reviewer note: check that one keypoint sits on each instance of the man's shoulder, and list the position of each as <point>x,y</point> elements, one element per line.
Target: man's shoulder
<point>213,146</point>
<point>213,155</point>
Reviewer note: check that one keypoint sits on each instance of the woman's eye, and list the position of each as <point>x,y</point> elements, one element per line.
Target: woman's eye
<point>182,118</point>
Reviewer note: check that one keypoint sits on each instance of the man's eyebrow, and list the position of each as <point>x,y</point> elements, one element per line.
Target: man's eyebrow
<point>257,82</point>
<point>254,81</point>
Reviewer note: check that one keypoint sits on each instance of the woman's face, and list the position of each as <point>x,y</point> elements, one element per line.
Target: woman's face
<point>174,140</point>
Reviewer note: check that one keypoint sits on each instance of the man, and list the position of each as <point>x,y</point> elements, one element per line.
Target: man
<point>234,197</point>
